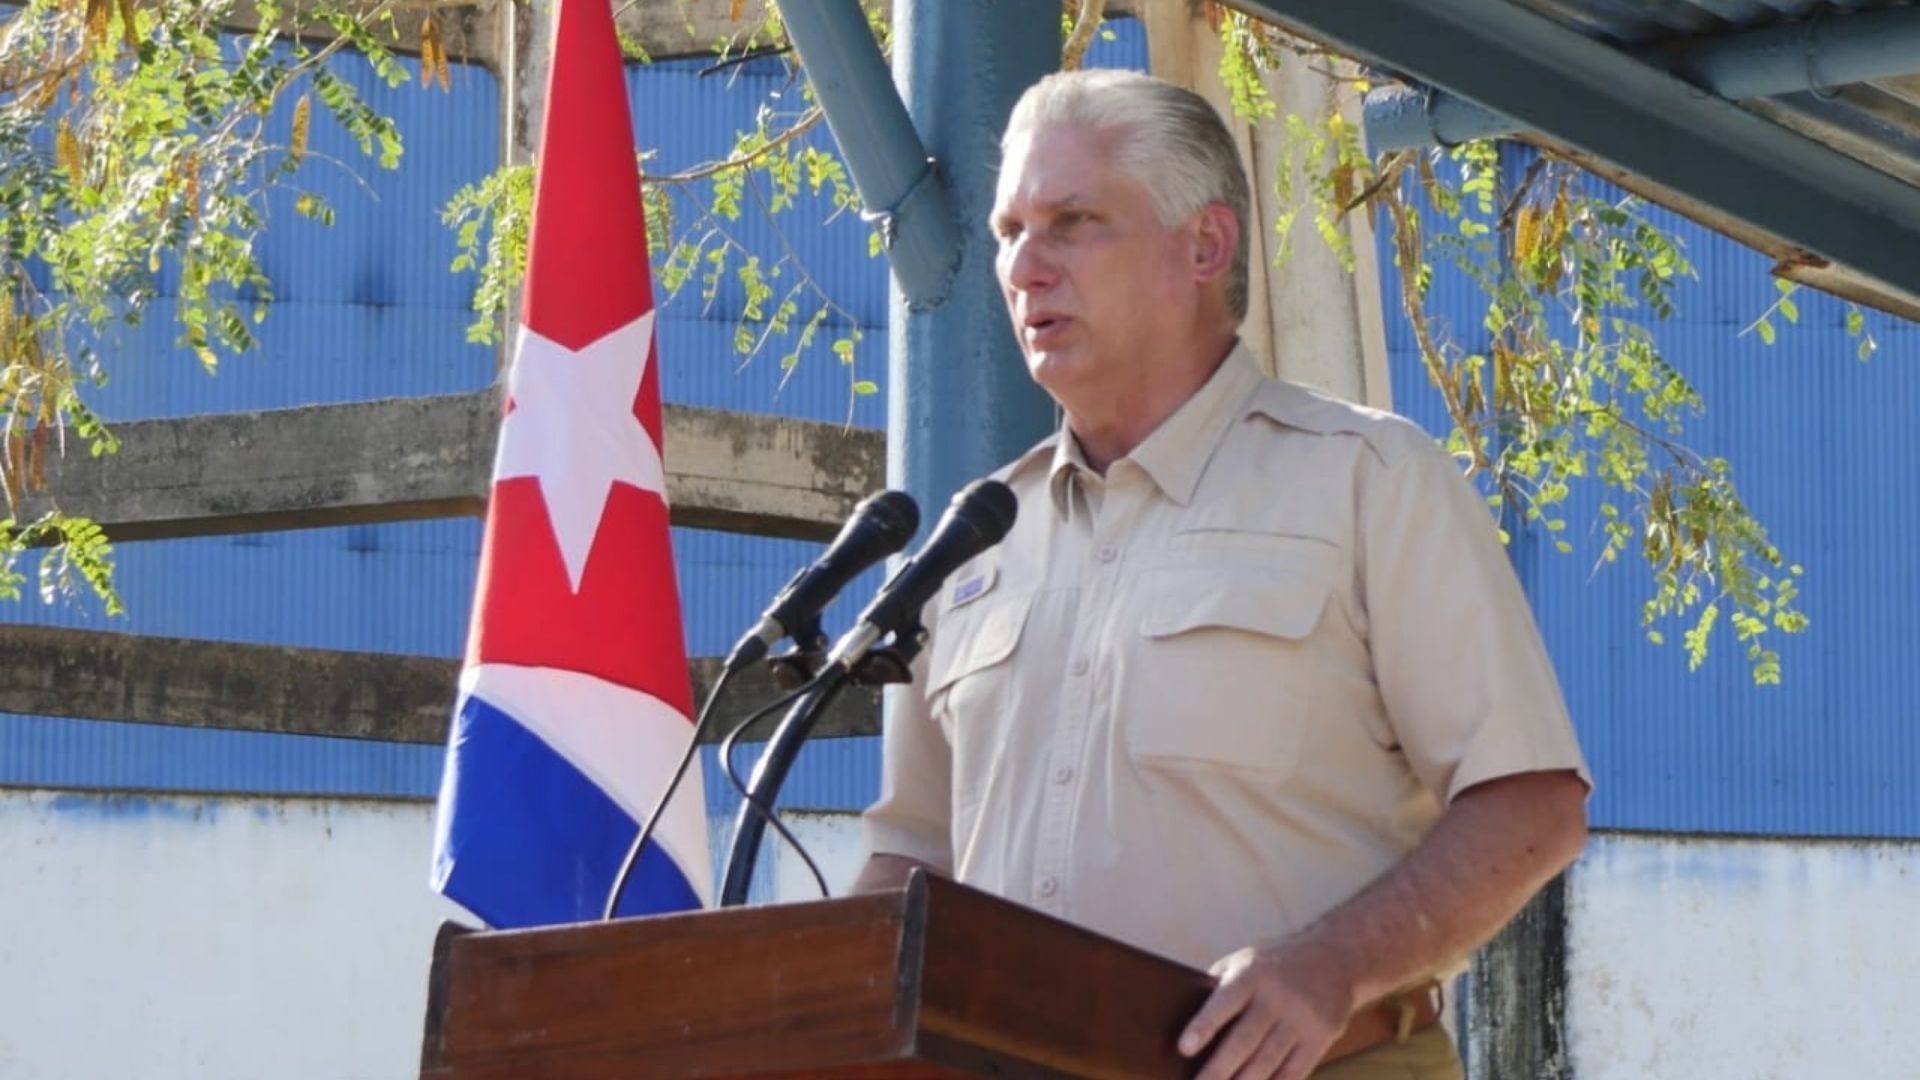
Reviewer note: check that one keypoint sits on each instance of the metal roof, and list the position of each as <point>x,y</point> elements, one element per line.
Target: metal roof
<point>1876,121</point>
<point>1825,177</point>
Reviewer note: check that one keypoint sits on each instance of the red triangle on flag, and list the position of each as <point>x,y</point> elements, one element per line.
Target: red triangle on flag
<point>587,255</point>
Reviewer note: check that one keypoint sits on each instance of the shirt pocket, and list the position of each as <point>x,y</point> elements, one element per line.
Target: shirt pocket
<point>971,673</point>
<point>1220,675</point>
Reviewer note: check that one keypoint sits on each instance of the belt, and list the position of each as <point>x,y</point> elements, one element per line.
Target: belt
<point>1391,1019</point>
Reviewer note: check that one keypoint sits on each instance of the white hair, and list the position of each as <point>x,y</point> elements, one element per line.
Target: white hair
<point>1170,141</point>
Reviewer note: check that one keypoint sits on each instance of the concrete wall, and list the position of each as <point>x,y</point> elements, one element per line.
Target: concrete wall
<point>1752,959</point>
<point>236,937</point>
<point>215,937</point>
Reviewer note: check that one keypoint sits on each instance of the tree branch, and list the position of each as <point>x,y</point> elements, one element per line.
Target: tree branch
<point>800,127</point>
<point>1085,24</point>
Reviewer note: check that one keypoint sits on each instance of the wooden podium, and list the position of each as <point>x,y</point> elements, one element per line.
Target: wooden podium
<point>934,980</point>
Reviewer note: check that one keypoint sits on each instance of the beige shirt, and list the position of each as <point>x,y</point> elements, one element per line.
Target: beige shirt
<point>1197,703</point>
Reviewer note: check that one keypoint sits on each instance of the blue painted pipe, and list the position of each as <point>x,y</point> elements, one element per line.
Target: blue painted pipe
<point>1405,117</point>
<point>905,195</point>
<point>960,402</point>
<point>1818,54</point>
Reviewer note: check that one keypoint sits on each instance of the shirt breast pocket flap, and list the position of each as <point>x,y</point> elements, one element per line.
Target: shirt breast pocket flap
<point>1280,607</point>
<point>1222,672</point>
<point>973,639</point>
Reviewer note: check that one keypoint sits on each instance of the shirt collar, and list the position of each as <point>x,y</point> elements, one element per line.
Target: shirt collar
<point>1067,463</point>
<point>1178,450</point>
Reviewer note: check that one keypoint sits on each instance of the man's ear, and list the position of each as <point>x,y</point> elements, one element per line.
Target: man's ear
<point>1216,240</point>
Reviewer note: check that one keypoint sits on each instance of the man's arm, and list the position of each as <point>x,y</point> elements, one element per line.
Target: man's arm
<point>1281,1004</point>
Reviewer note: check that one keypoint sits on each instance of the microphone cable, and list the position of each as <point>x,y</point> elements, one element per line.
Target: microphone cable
<point>700,725</point>
<point>765,811</point>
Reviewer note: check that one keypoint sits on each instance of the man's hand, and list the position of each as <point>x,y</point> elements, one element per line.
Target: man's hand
<point>1281,1005</point>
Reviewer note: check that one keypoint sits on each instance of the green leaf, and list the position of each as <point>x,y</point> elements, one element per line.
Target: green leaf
<point>1766,330</point>
<point>864,387</point>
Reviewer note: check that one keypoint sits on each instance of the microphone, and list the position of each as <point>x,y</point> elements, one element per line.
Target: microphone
<point>978,518</point>
<point>881,525</point>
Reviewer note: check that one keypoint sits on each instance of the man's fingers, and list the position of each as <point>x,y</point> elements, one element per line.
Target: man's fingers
<point>1242,1041</point>
<point>1266,1062</point>
<point>1299,1064</point>
<point>1222,1006</point>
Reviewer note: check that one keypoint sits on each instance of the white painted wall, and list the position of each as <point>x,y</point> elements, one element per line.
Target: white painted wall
<point>164,937</point>
<point>834,842</point>
<point>235,938</point>
<point>1700,959</point>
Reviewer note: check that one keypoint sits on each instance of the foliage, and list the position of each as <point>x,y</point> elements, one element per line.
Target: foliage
<point>1563,387</point>
<point>136,153</point>
<point>694,220</point>
<point>135,144</point>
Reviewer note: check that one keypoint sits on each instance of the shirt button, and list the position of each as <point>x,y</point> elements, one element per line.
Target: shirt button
<point>1079,666</point>
<point>1062,774</point>
<point>1048,886</point>
<point>1109,553</point>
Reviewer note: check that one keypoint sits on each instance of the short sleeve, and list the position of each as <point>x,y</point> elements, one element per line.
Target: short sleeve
<point>913,815</point>
<point>1468,687</point>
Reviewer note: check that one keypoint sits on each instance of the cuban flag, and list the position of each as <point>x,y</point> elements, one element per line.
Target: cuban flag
<point>574,703</point>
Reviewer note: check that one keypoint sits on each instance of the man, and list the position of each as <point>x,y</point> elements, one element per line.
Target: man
<point>1250,684</point>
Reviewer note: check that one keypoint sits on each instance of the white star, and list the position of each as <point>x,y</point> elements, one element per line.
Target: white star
<point>572,428</point>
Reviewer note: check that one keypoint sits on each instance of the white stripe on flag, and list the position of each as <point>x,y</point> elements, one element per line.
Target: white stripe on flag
<point>625,740</point>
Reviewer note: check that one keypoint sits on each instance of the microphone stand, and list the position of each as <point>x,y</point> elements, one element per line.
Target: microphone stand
<point>768,774</point>
<point>878,667</point>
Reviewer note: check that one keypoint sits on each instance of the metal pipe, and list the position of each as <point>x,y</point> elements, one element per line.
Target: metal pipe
<point>960,401</point>
<point>905,194</point>
<point>1817,54</point>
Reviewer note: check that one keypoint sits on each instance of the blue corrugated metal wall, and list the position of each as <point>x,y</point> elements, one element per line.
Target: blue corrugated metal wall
<point>368,309</point>
<point>1823,447</point>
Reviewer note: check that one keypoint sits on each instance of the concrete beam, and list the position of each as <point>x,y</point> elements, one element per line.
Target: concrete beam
<point>471,29</point>
<point>97,675</point>
<point>406,459</point>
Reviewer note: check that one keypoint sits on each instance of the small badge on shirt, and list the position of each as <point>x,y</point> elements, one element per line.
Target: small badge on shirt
<point>972,588</point>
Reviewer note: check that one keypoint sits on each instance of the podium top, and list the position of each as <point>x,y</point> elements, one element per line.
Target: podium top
<point>932,980</point>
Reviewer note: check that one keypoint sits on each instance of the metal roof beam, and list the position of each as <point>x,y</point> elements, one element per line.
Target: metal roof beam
<point>1596,98</point>
<point>1817,54</point>
<point>906,196</point>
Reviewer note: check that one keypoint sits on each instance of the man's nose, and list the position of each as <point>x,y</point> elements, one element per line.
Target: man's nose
<point>1028,264</point>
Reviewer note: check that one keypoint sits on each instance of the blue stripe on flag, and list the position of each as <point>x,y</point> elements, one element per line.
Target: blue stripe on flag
<point>526,839</point>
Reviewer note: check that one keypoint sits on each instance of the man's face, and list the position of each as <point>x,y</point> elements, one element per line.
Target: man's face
<point>1095,284</point>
